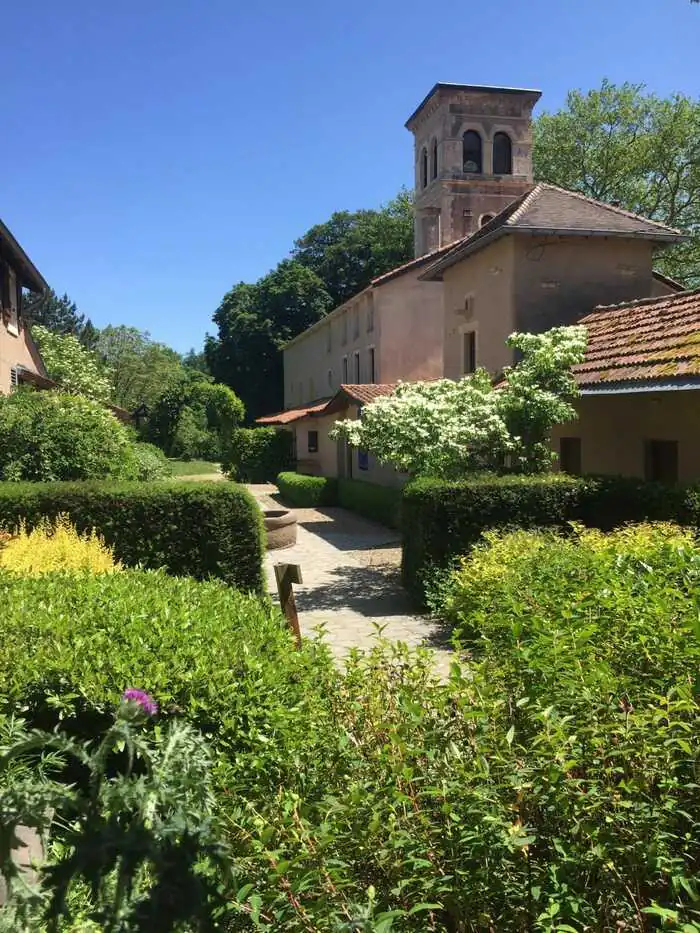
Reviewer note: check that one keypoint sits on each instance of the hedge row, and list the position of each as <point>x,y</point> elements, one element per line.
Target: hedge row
<point>379,503</point>
<point>189,529</point>
<point>307,491</point>
<point>258,455</point>
<point>442,520</point>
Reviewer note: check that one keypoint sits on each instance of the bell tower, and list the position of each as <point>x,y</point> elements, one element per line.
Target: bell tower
<point>473,157</point>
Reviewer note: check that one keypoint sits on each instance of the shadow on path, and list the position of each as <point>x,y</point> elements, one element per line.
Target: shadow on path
<point>371,591</point>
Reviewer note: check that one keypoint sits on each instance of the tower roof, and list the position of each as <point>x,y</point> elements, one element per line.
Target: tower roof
<point>476,88</point>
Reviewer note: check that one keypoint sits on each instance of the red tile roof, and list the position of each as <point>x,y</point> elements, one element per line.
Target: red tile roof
<point>368,392</point>
<point>294,414</point>
<point>649,340</point>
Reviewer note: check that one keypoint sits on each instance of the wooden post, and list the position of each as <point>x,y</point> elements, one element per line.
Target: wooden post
<point>286,575</point>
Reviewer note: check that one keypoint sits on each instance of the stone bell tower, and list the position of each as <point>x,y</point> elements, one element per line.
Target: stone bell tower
<point>473,156</point>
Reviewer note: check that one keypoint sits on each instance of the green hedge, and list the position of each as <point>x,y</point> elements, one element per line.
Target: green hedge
<point>189,529</point>
<point>379,503</point>
<point>70,645</point>
<point>307,491</point>
<point>258,455</point>
<point>442,520</point>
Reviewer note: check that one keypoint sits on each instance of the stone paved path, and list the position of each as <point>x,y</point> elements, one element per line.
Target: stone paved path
<point>350,568</point>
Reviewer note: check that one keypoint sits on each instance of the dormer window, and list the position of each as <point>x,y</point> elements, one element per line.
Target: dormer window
<point>471,153</point>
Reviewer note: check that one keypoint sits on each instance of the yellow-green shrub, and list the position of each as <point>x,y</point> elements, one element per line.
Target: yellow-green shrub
<point>56,545</point>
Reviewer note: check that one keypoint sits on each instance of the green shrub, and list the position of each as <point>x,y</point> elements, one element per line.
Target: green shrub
<point>151,462</point>
<point>307,491</point>
<point>69,646</point>
<point>258,455</point>
<point>197,530</point>
<point>442,520</point>
<point>378,503</point>
<point>47,436</point>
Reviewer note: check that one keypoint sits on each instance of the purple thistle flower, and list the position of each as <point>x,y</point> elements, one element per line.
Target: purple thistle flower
<point>142,699</point>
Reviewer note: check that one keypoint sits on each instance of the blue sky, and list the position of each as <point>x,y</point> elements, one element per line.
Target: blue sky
<point>155,152</point>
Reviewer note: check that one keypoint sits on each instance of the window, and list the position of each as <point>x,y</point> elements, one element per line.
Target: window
<point>357,368</point>
<point>363,459</point>
<point>370,318</point>
<point>661,461</point>
<point>469,352</point>
<point>471,153</point>
<point>330,378</point>
<point>356,324</point>
<point>14,378</point>
<point>371,373</point>
<point>433,161</point>
<point>570,455</point>
<point>502,154</point>
<point>312,442</point>
<point>424,168</point>
<point>345,370</point>
<point>484,219</point>
<point>329,339</point>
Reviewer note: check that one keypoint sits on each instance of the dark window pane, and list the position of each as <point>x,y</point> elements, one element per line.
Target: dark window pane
<point>424,168</point>
<point>469,352</point>
<point>471,152</point>
<point>661,461</point>
<point>312,442</point>
<point>502,154</point>
<point>371,365</point>
<point>363,459</point>
<point>434,167</point>
<point>570,455</point>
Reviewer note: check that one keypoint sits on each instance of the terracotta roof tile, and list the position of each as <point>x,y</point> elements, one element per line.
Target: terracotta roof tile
<point>368,392</point>
<point>293,414</point>
<point>640,341</point>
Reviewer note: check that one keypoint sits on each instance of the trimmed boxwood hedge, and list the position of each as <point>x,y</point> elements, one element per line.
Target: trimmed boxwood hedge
<point>442,520</point>
<point>190,529</point>
<point>379,503</point>
<point>258,455</point>
<point>306,492</point>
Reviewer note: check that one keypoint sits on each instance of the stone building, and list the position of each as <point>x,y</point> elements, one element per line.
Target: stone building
<point>494,253</point>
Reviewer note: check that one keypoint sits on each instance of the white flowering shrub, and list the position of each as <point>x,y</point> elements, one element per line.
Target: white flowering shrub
<point>447,429</point>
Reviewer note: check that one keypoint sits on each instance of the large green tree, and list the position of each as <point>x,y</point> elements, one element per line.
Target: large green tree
<point>352,248</point>
<point>623,145</point>
<point>141,368</point>
<point>75,368</point>
<point>59,314</point>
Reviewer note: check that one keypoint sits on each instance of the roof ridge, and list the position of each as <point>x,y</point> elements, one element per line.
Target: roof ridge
<point>527,201</point>
<point>611,207</point>
<point>643,302</point>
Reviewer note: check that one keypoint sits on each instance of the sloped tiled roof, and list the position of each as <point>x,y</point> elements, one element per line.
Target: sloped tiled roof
<point>368,392</point>
<point>546,209</point>
<point>293,414</point>
<point>650,340</point>
<point>413,264</point>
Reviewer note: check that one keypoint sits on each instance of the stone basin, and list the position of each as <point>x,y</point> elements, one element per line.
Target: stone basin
<point>280,528</point>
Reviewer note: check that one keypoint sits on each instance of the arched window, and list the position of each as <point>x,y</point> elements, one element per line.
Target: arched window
<point>471,152</point>
<point>484,219</point>
<point>433,166</point>
<point>502,154</point>
<point>424,168</point>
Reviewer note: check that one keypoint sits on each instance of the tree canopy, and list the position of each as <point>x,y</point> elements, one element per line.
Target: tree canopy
<point>75,368</point>
<point>329,264</point>
<point>140,368</point>
<point>623,145</point>
<point>60,315</point>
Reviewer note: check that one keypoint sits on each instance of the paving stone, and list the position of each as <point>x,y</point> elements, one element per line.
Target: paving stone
<point>345,590</point>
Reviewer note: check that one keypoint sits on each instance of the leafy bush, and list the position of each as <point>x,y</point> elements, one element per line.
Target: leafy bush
<point>47,436</point>
<point>307,491</point>
<point>258,455</point>
<point>151,462</point>
<point>378,503</point>
<point>55,545</point>
<point>198,530</point>
<point>442,520</point>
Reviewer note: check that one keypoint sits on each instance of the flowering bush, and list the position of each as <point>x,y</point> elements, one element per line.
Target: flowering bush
<point>448,429</point>
<point>55,545</point>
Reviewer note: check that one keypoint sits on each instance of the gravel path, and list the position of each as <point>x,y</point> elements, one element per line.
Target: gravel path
<point>350,568</point>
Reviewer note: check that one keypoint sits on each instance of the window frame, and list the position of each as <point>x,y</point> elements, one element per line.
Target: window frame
<point>312,445</point>
<point>472,333</point>
<point>473,134</point>
<point>357,368</point>
<point>434,159</point>
<point>501,134</point>
<point>424,167</point>
<point>345,370</point>
<point>372,365</point>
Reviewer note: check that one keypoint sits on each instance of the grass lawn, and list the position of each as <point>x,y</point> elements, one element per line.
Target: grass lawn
<point>193,467</point>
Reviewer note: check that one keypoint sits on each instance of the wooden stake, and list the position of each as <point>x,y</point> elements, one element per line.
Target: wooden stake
<point>286,575</point>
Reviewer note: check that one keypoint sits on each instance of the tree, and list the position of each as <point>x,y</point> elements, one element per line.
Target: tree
<point>140,367</point>
<point>350,249</point>
<point>449,429</point>
<point>622,145</point>
<point>59,315</point>
<point>75,368</point>
<point>254,323</point>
